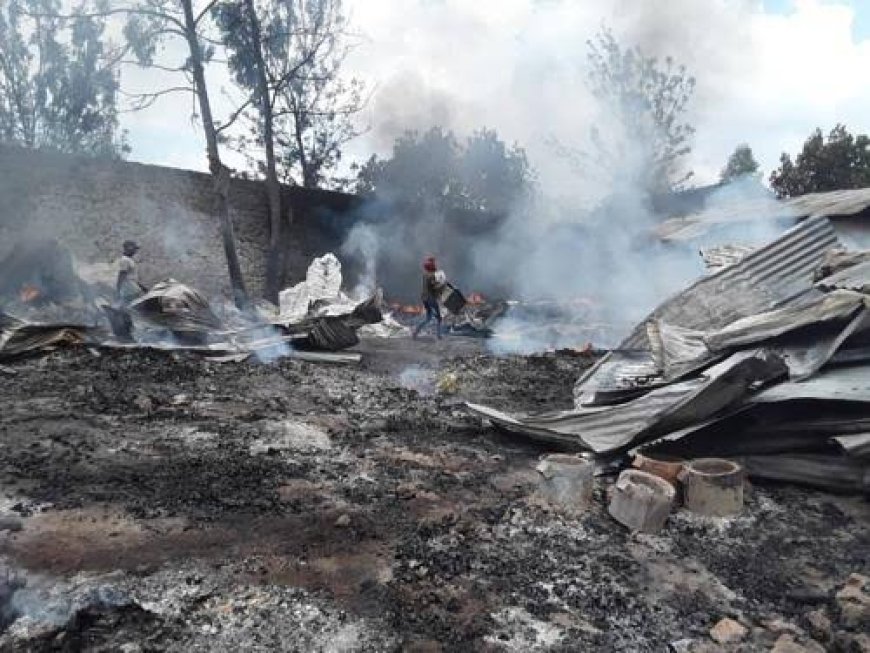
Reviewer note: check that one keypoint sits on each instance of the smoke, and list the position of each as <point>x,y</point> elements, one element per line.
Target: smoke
<point>273,348</point>
<point>40,602</point>
<point>363,244</point>
<point>604,260</point>
<point>405,102</point>
<point>580,272</point>
<point>520,68</point>
<point>742,212</point>
<point>420,379</point>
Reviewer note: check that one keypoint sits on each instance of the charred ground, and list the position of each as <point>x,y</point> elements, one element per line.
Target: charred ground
<point>173,503</point>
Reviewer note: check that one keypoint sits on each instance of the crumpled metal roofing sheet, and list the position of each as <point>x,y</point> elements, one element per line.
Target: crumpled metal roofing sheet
<point>765,279</point>
<point>855,277</point>
<point>833,203</point>
<point>835,383</point>
<point>856,445</point>
<point>599,429</point>
<point>609,429</point>
<point>837,473</point>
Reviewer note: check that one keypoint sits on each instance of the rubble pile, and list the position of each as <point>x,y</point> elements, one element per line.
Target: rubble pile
<point>315,320</point>
<point>766,362</point>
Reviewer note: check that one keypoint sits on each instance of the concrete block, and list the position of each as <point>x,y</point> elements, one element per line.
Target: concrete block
<point>641,501</point>
<point>728,631</point>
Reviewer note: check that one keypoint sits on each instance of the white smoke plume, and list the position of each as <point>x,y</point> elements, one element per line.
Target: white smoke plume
<point>520,67</point>
<point>363,245</point>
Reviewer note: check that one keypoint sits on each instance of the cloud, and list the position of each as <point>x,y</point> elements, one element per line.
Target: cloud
<point>763,78</point>
<point>517,66</point>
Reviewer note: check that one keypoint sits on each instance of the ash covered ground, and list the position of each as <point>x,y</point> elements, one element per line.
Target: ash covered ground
<point>158,503</point>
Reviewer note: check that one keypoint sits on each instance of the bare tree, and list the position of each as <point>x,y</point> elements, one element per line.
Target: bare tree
<point>150,22</point>
<point>317,107</point>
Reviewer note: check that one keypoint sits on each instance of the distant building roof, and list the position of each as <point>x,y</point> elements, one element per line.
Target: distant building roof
<point>718,209</point>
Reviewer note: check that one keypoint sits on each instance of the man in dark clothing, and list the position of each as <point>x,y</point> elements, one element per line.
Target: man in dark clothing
<point>433,283</point>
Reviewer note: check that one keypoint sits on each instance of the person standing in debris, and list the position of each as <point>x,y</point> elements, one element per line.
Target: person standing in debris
<point>128,287</point>
<point>434,281</point>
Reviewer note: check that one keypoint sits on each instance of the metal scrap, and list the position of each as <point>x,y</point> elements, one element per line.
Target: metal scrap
<point>761,362</point>
<point>613,429</point>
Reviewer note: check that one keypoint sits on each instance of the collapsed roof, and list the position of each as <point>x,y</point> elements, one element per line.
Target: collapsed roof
<point>762,207</point>
<point>735,365</point>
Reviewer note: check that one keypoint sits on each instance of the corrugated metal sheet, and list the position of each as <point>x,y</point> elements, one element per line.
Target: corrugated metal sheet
<point>856,277</point>
<point>626,373</point>
<point>838,473</point>
<point>835,384</point>
<point>831,204</point>
<point>609,429</point>
<point>856,445</point>
<point>600,429</point>
<point>765,279</point>
<point>806,353</point>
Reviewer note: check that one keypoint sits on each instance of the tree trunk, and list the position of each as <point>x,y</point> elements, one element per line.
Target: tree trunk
<point>308,180</point>
<point>220,174</point>
<point>275,261</point>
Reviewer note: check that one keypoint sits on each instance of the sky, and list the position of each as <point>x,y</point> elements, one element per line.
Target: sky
<point>768,73</point>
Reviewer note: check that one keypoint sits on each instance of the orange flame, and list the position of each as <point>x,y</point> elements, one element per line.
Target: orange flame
<point>28,293</point>
<point>476,299</point>
<point>406,309</point>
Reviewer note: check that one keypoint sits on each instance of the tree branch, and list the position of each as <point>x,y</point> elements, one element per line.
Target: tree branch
<point>205,10</point>
<point>235,115</point>
<point>138,11</point>
<point>145,100</point>
<point>167,69</point>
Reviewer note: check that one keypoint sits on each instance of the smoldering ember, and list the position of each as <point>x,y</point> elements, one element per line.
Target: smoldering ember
<point>373,379</point>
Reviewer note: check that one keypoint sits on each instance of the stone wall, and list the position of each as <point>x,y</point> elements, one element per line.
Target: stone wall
<point>92,206</point>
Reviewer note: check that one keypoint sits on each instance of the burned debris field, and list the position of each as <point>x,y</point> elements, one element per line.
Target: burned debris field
<point>340,326</point>
<point>158,502</point>
<point>180,474</point>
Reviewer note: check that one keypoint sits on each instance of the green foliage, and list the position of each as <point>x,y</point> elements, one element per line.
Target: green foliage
<point>434,170</point>
<point>303,46</point>
<point>642,139</point>
<point>58,82</point>
<point>840,162</point>
<point>740,164</point>
<point>316,121</point>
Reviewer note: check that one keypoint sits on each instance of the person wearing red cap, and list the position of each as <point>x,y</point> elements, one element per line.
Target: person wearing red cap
<point>434,281</point>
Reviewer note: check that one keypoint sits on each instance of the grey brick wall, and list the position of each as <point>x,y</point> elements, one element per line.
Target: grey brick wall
<point>92,206</point>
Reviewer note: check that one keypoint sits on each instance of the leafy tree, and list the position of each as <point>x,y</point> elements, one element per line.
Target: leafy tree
<point>317,121</point>
<point>58,80</point>
<point>287,55</point>
<point>435,170</point>
<point>303,46</point>
<point>840,162</point>
<point>642,139</point>
<point>740,164</point>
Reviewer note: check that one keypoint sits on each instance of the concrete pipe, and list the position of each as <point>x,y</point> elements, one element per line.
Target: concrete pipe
<point>665,467</point>
<point>713,487</point>
<point>641,501</point>
<point>567,480</point>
